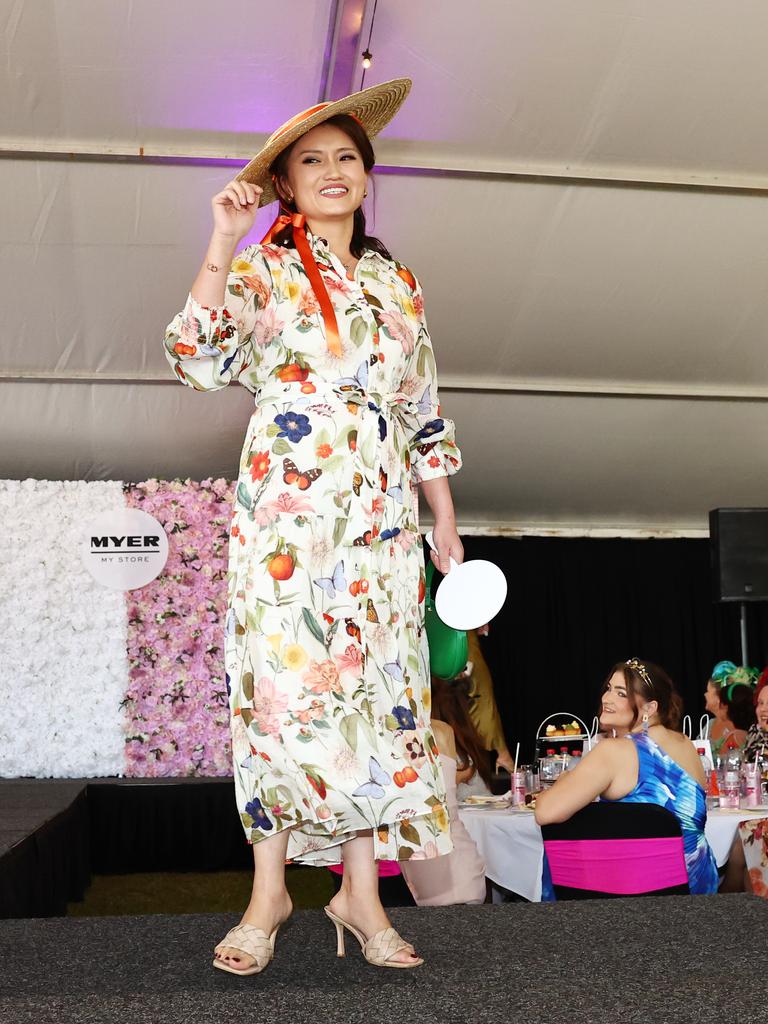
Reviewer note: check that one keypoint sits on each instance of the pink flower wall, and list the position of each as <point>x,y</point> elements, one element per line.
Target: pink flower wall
<point>176,708</point>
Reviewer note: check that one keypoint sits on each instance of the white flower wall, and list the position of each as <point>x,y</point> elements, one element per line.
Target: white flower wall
<point>63,660</point>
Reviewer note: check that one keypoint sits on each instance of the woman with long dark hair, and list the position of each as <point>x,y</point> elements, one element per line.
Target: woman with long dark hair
<point>459,877</point>
<point>736,713</point>
<point>451,704</point>
<point>653,762</point>
<point>326,656</point>
<point>756,745</point>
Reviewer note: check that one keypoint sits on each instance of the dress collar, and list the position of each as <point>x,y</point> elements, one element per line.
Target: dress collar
<point>321,249</point>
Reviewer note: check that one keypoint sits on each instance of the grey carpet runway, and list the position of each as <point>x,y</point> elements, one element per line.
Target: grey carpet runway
<point>634,961</point>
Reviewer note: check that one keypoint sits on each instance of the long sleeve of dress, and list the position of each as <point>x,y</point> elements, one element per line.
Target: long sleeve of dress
<point>208,347</point>
<point>433,446</point>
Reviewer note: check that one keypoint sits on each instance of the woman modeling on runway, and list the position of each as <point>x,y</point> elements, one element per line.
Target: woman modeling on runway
<point>326,656</point>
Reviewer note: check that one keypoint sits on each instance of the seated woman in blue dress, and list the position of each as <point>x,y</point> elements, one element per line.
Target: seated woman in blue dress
<point>653,763</point>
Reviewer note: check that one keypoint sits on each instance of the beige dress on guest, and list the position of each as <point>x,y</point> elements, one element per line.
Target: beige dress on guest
<point>456,877</point>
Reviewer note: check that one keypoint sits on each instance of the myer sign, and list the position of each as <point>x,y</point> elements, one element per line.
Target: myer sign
<point>124,549</point>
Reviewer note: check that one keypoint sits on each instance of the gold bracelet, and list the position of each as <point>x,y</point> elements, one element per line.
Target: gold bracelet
<point>212,266</point>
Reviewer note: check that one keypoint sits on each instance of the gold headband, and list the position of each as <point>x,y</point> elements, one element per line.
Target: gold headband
<point>641,670</point>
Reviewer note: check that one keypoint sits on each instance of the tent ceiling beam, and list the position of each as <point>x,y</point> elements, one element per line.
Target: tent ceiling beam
<point>403,158</point>
<point>394,158</point>
<point>453,383</point>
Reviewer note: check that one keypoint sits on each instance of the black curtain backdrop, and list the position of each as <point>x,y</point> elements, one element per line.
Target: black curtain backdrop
<point>577,606</point>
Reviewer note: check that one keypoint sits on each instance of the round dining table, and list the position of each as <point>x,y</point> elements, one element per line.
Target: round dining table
<point>509,840</point>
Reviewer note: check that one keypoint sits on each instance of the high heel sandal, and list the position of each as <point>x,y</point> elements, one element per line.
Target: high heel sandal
<point>379,949</point>
<point>252,941</point>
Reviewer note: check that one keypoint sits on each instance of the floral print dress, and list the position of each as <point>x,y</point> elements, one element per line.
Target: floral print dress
<point>754,839</point>
<point>326,654</point>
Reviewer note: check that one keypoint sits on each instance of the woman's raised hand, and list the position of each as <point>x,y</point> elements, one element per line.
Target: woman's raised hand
<point>235,208</point>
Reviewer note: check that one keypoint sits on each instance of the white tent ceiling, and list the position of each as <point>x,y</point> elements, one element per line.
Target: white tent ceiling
<point>582,188</point>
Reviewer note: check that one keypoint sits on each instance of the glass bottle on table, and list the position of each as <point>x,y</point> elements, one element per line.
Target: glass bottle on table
<point>547,768</point>
<point>730,791</point>
<point>713,789</point>
<point>557,765</point>
<point>531,778</point>
<point>718,774</point>
<point>711,786</point>
<point>762,760</point>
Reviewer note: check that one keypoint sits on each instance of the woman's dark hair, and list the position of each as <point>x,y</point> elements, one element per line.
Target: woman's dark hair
<point>360,240</point>
<point>737,700</point>
<point>646,683</point>
<point>450,704</point>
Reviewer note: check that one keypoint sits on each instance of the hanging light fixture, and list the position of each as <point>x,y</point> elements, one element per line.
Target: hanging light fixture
<point>367,56</point>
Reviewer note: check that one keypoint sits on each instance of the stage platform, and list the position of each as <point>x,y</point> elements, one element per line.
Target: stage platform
<point>673,960</point>
<point>55,833</point>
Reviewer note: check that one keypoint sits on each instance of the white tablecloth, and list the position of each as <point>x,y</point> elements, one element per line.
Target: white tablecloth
<point>510,843</point>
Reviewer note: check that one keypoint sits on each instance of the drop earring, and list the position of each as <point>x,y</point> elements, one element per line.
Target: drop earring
<point>365,194</point>
<point>645,723</point>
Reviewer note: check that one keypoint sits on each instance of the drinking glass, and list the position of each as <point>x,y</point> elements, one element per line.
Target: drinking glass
<point>531,778</point>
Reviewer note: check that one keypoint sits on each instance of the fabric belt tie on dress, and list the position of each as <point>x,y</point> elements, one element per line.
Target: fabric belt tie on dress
<point>381,417</point>
<point>298,221</point>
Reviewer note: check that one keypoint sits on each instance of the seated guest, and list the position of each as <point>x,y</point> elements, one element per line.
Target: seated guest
<point>719,674</point>
<point>757,735</point>
<point>752,836</point>
<point>653,763</point>
<point>736,712</point>
<point>607,719</point>
<point>747,867</point>
<point>482,702</point>
<point>451,704</point>
<point>458,876</point>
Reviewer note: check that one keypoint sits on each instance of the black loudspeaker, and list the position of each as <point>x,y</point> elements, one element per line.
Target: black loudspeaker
<point>738,544</point>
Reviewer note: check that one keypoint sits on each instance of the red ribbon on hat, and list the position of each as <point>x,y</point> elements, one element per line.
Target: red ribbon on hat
<point>298,221</point>
<point>303,116</point>
<point>296,119</point>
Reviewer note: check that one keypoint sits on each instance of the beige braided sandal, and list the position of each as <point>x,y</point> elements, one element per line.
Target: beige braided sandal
<point>253,942</point>
<point>379,949</point>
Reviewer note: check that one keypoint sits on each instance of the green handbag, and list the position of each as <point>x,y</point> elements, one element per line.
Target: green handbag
<point>448,648</point>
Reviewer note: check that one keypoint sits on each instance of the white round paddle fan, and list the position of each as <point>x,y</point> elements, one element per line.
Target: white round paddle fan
<point>470,594</point>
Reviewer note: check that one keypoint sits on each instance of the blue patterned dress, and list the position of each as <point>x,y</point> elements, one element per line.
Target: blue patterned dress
<point>662,781</point>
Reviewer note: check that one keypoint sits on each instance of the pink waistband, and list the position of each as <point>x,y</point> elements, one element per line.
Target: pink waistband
<point>620,866</point>
<point>387,868</point>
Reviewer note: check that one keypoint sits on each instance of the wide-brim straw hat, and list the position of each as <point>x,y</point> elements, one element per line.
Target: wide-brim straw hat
<point>374,108</point>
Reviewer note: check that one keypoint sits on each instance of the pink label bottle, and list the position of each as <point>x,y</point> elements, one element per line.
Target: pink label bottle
<point>518,789</point>
<point>730,790</point>
<point>752,780</point>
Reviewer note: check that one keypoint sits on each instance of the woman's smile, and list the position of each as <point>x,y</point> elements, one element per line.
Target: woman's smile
<point>762,709</point>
